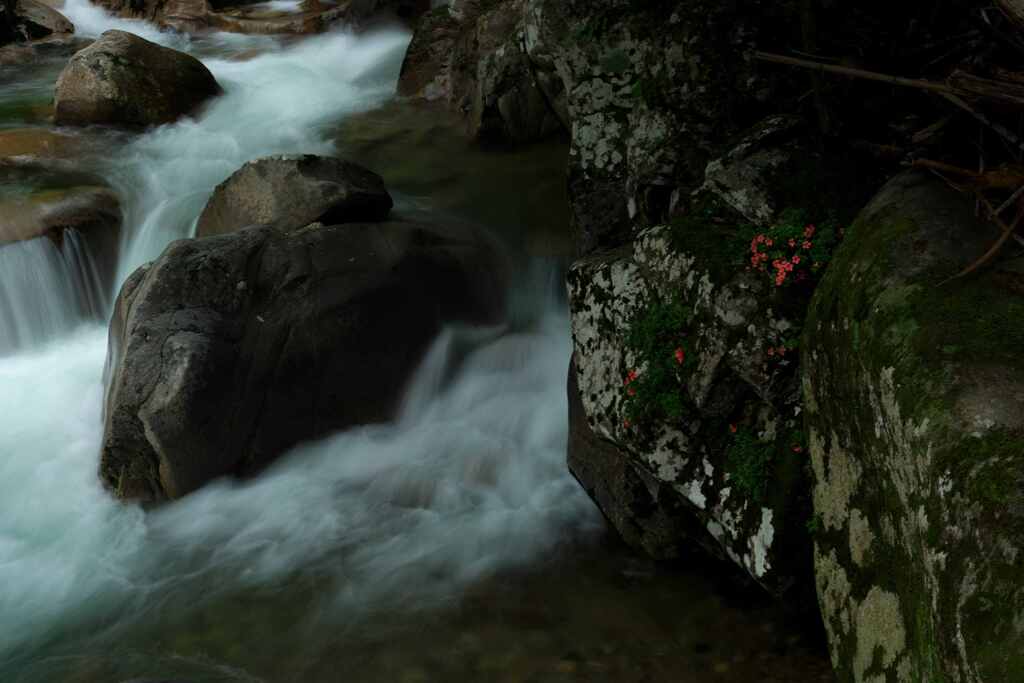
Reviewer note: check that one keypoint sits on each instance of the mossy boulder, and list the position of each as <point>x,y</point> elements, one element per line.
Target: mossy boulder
<point>914,397</point>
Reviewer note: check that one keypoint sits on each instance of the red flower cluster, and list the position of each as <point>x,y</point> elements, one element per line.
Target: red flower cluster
<point>777,351</point>
<point>783,266</point>
<point>759,257</point>
<point>630,378</point>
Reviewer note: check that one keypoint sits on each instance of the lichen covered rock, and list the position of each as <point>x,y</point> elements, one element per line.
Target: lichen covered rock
<point>914,391</point>
<point>654,91</point>
<point>685,367</point>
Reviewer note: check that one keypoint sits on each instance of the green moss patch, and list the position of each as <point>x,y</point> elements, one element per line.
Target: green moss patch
<point>657,336</point>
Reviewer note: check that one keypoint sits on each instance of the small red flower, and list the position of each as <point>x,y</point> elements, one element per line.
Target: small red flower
<point>732,428</point>
<point>680,355</point>
<point>796,260</point>
<point>781,351</point>
<point>631,391</point>
<point>792,242</point>
<point>807,244</point>
<point>798,449</point>
<point>771,350</point>
<point>626,423</point>
<point>809,231</point>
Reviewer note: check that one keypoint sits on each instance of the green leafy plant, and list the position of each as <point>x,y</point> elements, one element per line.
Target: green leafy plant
<point>750,459</point>
<point>654,390</point>
<point>749,462</point>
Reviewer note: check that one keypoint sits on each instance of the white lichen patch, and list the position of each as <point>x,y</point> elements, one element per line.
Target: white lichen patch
<point>879,627</point>
<point>837,477</point>
<point>834,596</point>
<point>760,545</point>
<point>861,537</point>
<point>594,140</point>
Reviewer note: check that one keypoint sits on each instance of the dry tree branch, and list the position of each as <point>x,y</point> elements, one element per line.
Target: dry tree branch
<point>1008,231</point>
<point>963,85</point>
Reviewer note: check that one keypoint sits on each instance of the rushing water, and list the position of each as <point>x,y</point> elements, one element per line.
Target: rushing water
<point>469,480</point>
<point>384,553</point>
<point>47,290</point>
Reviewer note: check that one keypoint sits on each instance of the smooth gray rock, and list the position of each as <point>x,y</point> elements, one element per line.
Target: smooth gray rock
<point>124,80</point>
<point>293,191</point>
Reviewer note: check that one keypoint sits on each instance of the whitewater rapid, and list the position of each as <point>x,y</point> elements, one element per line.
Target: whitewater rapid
<point>468,481</point>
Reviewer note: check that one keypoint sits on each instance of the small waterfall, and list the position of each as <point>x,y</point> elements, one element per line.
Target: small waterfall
<point>47,290</point>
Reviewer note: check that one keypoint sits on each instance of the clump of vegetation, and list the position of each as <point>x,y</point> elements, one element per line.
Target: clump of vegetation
<point>749,463</point>
<point>657,338</point>
<point>794,250</point>
<point>750,460</point>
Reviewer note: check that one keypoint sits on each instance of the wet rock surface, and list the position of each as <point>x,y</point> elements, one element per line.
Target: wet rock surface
<point>227,351</point>
<point>41,200</point>
<point>39,20</point>
<point>125,80</point>
<point>915,407</point>
<point>470,56</point>
<point>292,191</point>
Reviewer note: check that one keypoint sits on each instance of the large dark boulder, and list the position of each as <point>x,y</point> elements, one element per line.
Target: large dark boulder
<point>914,396</point>
<point>292,191</point>
<point>227,351</point>
<point>122,79</point>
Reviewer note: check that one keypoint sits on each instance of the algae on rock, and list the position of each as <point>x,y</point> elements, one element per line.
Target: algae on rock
<point>915,409</point>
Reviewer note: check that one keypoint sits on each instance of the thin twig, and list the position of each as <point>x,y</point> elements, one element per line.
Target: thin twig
<point>1008,231</point>
<point>853,72</point>
<point>1002,130</point>
<point>943,90</point>
<point>1014,197</point>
